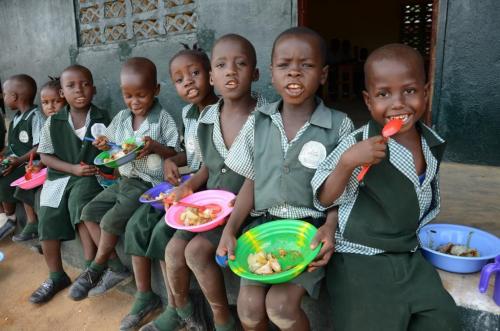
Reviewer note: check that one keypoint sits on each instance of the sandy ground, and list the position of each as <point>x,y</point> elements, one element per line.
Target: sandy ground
<point>22,271</point>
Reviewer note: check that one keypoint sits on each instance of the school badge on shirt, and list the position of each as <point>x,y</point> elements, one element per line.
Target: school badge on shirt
<point>311,154</point>
<point>23,137</point>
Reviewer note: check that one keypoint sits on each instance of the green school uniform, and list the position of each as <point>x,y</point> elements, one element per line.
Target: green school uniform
<point>20,142</point>
<point>113,207</point>
<point>57,222</point>
<point>282,169</point>
<point>146,233</point>
<point>376,279</point>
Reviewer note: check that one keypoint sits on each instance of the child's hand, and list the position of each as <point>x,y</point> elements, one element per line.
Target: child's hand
<point>101,143</point>
<point>179,192</point>
<point>14,162</point>
<point>83,170</point>
<point>326,236</point>
<point>150,147</point>
<point>227,244</point>
<point>369,151</point>
<point>171,172</point>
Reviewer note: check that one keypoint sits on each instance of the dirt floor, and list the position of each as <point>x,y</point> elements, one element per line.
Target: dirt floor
<point>22,271</point>
<point>470,195</point>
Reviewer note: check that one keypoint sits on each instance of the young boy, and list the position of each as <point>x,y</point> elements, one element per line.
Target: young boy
<point>147,234</point>
<point>106,216</point>
<point>69,185</point>
<point>377,279</point>
<point>51,103</point>
<point>282,145</point>
<point>233,69</point>
<point>23,138</point>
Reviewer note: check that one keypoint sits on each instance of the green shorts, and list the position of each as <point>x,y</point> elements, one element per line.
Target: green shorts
<point>26,196</point>
<point>59,223</point>
<point>389,292</point>
<point>147,234</point>
<point>7,191</point>
<point>114,206</point>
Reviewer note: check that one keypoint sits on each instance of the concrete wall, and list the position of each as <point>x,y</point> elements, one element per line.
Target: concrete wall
<point>466,106</point>
<point>40,38</point>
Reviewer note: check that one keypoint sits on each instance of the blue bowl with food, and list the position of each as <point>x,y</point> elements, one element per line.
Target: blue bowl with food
<point>458,248</point>
<point>155,195</point>
<point>121,155</point>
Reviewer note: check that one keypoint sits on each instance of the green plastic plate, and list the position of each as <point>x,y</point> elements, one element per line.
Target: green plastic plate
<point>292,236</point>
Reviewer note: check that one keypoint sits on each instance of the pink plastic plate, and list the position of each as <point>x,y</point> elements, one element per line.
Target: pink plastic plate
<point>37,179</point>
<point>222,198</point>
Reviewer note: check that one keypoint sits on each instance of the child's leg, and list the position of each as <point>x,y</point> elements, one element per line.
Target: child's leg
<point>30,231</point>
<point>142,273</point>
<point>52,255</point>
<point>95,233</point>
<point>200,254</point>
<point>252,308</point>
<point>89,248</point>
<point>283,307</point>
<point>177,271</point>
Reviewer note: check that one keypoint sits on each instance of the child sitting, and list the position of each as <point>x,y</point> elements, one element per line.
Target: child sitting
<point>23,138</point>
<point>147,233</point>
<point>233,64</point>
<point>70,185</point>
<point>107,214</point>
<point>51,102</point>
<point>282,145</point>
<point>378,279</point>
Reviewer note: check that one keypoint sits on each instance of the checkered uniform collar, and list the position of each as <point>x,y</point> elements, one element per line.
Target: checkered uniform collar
<point>63,114</point>
<point>153,115</point>
<point>192,112</point>
<point>322,115</point>
<point>211,113</point>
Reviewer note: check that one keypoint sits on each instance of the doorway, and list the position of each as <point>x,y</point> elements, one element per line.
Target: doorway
<point>352,29</point>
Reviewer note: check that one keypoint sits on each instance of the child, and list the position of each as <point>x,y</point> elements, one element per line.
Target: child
<point>377,278</point>
<point>147,234</point>
<point>282,145</point>
<point>233,64</point>
<point>69,185</point>
<point>23,138</point>
<point>107,214</point>
<point>52,102</point>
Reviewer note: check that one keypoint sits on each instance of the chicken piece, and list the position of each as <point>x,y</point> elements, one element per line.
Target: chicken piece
<point>266,269</point>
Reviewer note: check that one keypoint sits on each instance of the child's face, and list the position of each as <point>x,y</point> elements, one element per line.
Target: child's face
<point>9,95</point>
<point>232,69</point>
<point>52,101</point>
<point>77,88</point>
<point>395,89</point>
<point>190,78</point>
<point>138,92</point>
<point>297,68</point>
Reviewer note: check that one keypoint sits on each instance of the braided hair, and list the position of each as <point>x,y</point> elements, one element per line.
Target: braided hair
<point>194,51</point>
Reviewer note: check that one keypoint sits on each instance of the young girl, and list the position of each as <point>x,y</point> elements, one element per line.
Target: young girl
<point>282,145</point>
<point>147,234</point>
<point>52,102</point>
<point>233,71</point>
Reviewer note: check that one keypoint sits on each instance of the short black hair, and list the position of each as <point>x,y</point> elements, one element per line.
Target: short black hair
<point>195,52</point>
<point>236,37</point>
<point>24,85</point>
<point>141,65</point>
<point>53,83</point>
<point>80,68</point>
<point>300,30</point>
<point>396,52</point>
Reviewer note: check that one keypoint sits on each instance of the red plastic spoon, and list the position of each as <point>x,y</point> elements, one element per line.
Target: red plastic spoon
<point>28,176</point>
<point>212,206</point>
<point>390,129</point>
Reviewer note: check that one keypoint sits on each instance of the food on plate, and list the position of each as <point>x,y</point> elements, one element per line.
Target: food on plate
<point>160,196</point>
<point>126,148</point>
<point>458,250</point>
<point>193,216</point>
<point>264,264</point>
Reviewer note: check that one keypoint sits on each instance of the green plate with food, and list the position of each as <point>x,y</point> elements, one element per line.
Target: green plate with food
<point>116,157</point>
<point>275,252</point>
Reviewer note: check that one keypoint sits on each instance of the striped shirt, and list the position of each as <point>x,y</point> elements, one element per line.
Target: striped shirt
<point>401,158</point>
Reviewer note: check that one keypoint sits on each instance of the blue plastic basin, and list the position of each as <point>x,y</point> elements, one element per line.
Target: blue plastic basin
<point>433,236</point>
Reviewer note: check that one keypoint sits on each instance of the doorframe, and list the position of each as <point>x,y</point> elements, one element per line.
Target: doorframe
<point>435,60</point>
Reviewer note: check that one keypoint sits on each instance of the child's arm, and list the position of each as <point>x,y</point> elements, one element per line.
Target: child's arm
<point>369,151</point>
<point>171,167</point>
<point>154,147</point>
<point>72,169</point>
<point>242,207</point>
<point>168,139</point>
<point>326,236</point>
<point>193,184</point>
